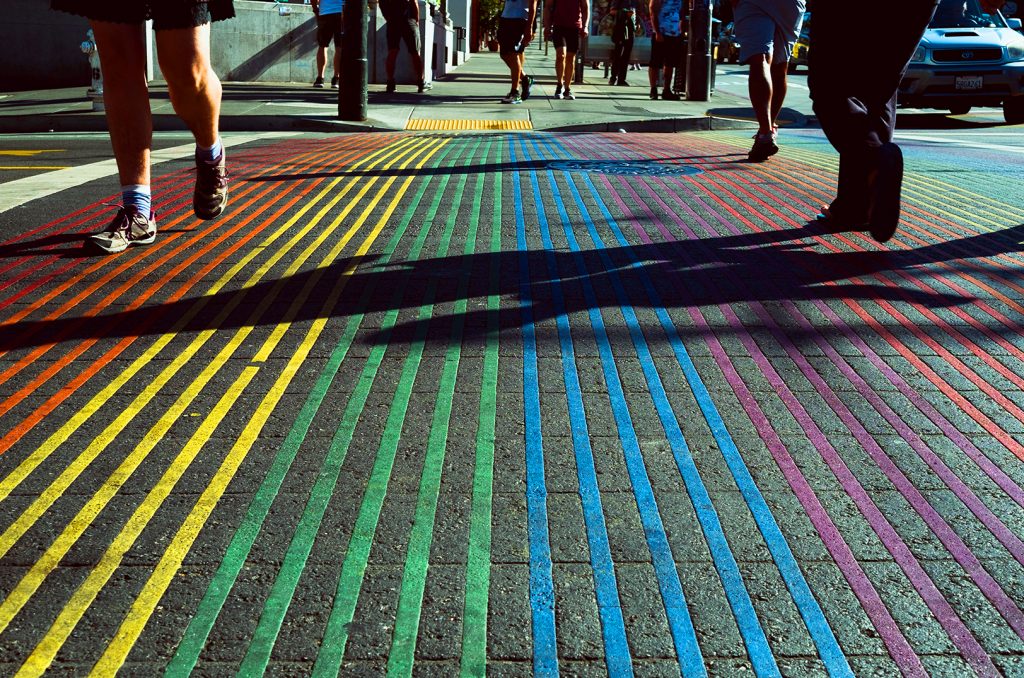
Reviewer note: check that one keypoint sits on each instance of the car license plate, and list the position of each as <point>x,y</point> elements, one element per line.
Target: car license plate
<point>968,82</point>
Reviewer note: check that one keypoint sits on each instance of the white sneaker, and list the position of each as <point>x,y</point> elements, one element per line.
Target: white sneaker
<point>129,227</point>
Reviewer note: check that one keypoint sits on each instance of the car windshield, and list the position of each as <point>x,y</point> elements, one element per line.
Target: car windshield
<point>965,14</point>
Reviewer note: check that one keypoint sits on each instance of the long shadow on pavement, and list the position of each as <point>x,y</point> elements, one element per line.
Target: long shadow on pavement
<point>759,267</point>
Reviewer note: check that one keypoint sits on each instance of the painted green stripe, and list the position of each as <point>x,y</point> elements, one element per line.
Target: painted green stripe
<point>276,606</point>
<point>357,555</point>
<point>414,575</point>
<point>242,541</point>
<point>478,564</point>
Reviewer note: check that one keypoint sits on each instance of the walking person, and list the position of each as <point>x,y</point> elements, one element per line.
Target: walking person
<point>856,105</point>
<point>183,46</point>
<point>328,28</point>
<point>403,25</point>
<point>565,21</point>
<point>515,32</point>
<point>623,34</point>
<point>767,31</point>
<point>666,46</point>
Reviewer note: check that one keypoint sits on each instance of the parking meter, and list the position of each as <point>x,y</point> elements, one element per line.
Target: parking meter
<point>699,57</point>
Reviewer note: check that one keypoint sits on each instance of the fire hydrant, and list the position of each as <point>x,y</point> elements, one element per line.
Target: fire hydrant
<point>96,90</point>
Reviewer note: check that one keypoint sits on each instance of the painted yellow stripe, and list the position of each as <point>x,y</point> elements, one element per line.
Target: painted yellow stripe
<point>34,578</point>
<point>86,594</point>
<point>133,624</point>
<point>421,124</point>
<point>25,153</point>
<point>34,167</point>
<point>47,648</point>
<point>60,436</point>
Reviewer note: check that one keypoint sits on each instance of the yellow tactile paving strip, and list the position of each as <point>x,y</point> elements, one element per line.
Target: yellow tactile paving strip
<point>421,124</point>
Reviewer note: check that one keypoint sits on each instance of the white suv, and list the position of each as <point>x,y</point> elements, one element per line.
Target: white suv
<point>967,58</point>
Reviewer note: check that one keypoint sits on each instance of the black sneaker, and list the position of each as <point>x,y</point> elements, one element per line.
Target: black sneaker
<point>654,93</point>
<point>558,91</point>
<point>129,227</point>
<point>527,82</point>
<point>319,82</point>
<point>392,85</point>
<point>211,194</point>
<point>335,81</point>
<point>765,146</point>
<point>424,86</point>
<point>567,94</point>
<point>512,98</point>
<point>669,95</point>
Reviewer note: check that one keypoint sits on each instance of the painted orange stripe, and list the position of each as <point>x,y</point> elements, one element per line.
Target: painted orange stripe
<point>51,403</point>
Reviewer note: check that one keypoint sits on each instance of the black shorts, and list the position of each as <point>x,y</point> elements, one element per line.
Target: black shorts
<point>166,14</point>
<point>328,27</point>
<point>667,52</point>
<point>566,37</point>
<point>407,30</point>
<point>511,35</point>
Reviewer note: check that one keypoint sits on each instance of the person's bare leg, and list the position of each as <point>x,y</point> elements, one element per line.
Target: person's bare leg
<point>515,67</point>
<point>389,63</point>
<point>569,69</point>
<point>760,88</point>
<point>321,62</point>
<point>559,64</point>
<point>779,87</point>
<point>122,49</point>
<point>417,65</point>
<point>194,88</point>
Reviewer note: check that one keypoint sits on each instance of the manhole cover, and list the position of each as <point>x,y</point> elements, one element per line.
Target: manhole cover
<point>624,167</point>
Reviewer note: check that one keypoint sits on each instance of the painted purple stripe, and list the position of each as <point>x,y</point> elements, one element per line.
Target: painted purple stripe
<point>1005,536</point>
<point>944,613</point>
<point>897,645</point>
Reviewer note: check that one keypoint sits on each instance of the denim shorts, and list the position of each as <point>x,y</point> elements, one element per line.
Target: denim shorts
<point>166,14</point>
<point>761,31</point>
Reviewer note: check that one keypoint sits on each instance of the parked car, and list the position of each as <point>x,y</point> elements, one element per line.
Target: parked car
<point>967,58</point>
<point>802,46</point>
<point>728,48</point>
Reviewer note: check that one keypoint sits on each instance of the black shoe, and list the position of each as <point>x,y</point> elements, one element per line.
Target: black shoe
<point>885,186</point>
<point>424,86</point>
<point>835,219</point>
<point>211,192</point>
<point>669,95</point>
<point>392,85</point>
<point>319,82</point>
<point>654,93</point>
<point>527,83</point>
<point>623,83</point>
<point>765,146</point>
<point>335,81</point>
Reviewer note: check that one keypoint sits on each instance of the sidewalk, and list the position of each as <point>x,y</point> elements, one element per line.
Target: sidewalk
<point>472,93</point>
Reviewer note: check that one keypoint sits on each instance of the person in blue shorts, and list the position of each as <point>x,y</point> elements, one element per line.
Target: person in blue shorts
<point>767,31</point>
<point>328,28</point>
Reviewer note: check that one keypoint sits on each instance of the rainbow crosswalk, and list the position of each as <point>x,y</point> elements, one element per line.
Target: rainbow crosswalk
<point>518,403</point>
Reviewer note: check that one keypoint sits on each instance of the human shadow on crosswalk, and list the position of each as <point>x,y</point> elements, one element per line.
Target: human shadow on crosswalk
<point>752,267</point>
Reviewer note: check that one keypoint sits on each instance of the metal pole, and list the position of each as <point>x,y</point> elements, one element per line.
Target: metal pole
<point>699,63</point>
<point>352,89</point>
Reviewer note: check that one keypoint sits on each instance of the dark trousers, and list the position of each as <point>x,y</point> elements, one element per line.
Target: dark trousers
<point>854,87</point>
<point>621,52</point>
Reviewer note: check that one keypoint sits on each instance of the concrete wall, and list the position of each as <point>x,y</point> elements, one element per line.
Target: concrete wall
<point>39,48</point>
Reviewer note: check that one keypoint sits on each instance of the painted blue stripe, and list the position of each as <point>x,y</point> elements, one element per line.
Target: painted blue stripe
<point>817,625</point>
<point>728,570</point>
<point>691,662</point>
<point>613,628</point>
<point>542,595</point>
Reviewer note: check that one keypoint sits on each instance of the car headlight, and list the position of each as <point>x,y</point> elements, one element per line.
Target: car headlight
<point>920,54</point>
<point>1015,52</point>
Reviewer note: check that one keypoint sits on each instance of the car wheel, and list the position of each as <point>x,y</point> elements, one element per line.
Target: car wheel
<point>1013,110</point>
<point>960,109</point>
